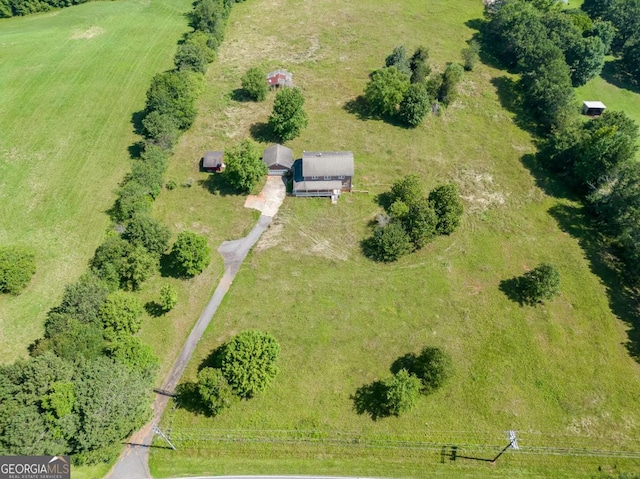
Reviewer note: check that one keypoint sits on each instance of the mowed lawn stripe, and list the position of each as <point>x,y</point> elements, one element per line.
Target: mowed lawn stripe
<point>77,76</point>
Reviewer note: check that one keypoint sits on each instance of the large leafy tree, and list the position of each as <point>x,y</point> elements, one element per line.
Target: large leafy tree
<point>401,392</point>
<point>586,59</point>
<point>385,90</point>
<point>215,392</point>
<point>190,253</point>
<point>191,56</point>
<point>388,243</point>
<point>420,223</point>
<point>415,105</point>
<point>174,93</point>
<point>288,117</point>
<point>244,167</point>
<point>145,231</point>
<point>249,362</point>
<point>121,313</point>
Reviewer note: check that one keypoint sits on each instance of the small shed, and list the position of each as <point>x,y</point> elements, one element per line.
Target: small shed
<point>212,161</point>
<point>279,159</point>
<point>593,108</point>
<point>280,77</point>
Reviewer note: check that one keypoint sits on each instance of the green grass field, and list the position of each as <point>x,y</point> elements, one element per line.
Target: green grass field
<point>559,374</point>
<point>71,81</point>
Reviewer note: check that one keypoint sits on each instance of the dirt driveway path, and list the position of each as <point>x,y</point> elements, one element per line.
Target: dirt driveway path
<point>134,460</point>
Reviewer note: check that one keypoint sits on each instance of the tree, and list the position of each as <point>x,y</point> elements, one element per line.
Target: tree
<point>586,59</point>
<point>133,198</point>
<point>244,167</point>
<point>174,93</point>
<point>17,266</point>
<point>608,142</point>
<point>149,176</point>
<point>190,253</point>
<point>75,341</point>
<point>143,230</point>
<point>288,118</point>
<point>450,79</point>
<point>388,243</point>
<point>401,392</point>
<point>163,129</point>
<point>111,402</point>
<point>420,223</point>
<point>205,41</point>
<point>254,84</point>
<point>433,366</point>
<point>210,16</point>
<point>168,297</point>
<point>121,313</point>
<point>191,56</point>
<point>540,284</point>
<point>407,189</point>
<point>419,65</point>
<point>385,90</point>
<point>215,392</point>
<point>249,362</point>
<point>398,59</point>
<point>448,207</point>
<point>132,353</point>
<point>631,57</point>
<point>83,299</point>
<point>470,55</point>
<point>137,266</point>
<point>606,32</point>
<point>415,105</point>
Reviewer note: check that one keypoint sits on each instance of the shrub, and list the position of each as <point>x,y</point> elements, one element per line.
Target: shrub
<point>450,79</point>
<point>249,362</point>
<point>407,189</point>
<point>388,243</point>
<point>162,128</point>
<point>17,266</point>
<point>190,254</point>
<point>470,55</point>
<point>401,392</point>
<point>254,84</point>
<point>215,392</point>
<point>244,166</point>
<point>398,59</point>
<point>133,198</point>
<point>415,105</point>
<point>168,297</point>
<point>420,69</point>
<point>288,117</point>
<point>448,207</point>
<point>191,56</point>
<point>540,284</point>
<point>420,223</point>
<point>206,42</point>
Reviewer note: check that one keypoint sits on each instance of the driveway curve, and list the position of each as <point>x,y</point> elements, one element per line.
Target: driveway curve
<point>133,463</point>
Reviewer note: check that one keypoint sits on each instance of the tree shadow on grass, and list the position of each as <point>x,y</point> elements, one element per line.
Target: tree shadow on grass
<point>487,51</point>
<point>214,359</point>
<point>407,362</point>
<point>510,98</point>
<point>241,95</point>
<point>370,399</point>
<point>263,132</point>
<point>511,288</point>
<point>168,267</point>
<point>623,300</point>
<point>358,107</point>
<point>188,398</point>
<point>153,309</point>
<point>136,122</point>
<point>217,184</point>
<point>613,73</point>
<point>551,183</point>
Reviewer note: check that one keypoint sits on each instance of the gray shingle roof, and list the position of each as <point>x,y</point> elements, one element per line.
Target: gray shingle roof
<point>327,163</point>
<point>317,185</point>
<point>212,159</point>
<point>278,155</point>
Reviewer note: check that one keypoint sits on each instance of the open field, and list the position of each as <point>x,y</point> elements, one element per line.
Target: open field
<point>559,374</point>
<point>71,81</point>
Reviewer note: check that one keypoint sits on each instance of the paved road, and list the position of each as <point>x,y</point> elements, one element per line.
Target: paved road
<point>134,460</point>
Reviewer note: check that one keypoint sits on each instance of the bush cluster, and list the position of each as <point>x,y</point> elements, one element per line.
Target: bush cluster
<point>10,8</point>
<point>413,220</point>
<point>406,88</point>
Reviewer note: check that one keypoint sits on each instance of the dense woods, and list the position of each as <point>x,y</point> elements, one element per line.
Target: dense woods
<point>10,8</point>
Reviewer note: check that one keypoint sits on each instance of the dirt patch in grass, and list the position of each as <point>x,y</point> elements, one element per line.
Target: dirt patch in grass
<point>86,34</point>
<point>479,191</point>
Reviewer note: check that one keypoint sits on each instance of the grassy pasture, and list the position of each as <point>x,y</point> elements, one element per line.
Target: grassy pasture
<point>71,81</point>
<point>558,373</point>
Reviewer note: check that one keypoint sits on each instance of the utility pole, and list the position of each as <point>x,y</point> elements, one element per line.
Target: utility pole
<point>513,443</point>
<point>156,430</point>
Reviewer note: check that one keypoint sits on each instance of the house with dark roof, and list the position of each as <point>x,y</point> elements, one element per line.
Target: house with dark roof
<point>212,161</point>
<point>323,173</point>
<point>278,78</point>
<point>279,159</point>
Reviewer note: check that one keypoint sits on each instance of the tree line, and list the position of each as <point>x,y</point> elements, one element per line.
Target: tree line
<point>10,8</point>
<point>555,50</point>
<point>87,383</point>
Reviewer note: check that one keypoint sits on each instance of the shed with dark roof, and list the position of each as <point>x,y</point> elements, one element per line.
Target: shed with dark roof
<point>212,161</point>
<point>279,159</point>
